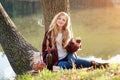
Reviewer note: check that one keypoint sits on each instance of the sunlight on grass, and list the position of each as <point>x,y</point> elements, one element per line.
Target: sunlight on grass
<point>75,74</point>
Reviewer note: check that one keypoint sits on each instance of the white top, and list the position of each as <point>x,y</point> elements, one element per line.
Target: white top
<point>61,51</point>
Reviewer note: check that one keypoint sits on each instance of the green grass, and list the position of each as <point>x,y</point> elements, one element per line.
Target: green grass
<point>31,31</point>
<point>99,30</point>
<point>75,74</point>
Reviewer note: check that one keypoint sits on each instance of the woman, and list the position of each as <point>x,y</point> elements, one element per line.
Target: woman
<point>63,47</point>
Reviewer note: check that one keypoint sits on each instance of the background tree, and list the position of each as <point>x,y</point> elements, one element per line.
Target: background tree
<point>52,7</point>
<point>14,45</point>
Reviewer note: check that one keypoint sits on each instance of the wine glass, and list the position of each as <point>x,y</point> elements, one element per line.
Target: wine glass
<point>78,40</point>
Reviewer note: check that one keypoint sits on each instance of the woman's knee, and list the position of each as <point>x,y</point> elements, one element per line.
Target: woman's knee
<point>64,65</point>
<point>71,57</point>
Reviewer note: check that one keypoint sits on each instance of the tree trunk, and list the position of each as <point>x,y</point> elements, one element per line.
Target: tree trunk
<point>14,45</point>
<point>52,7</point>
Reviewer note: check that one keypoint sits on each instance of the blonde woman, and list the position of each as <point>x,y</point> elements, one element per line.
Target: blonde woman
<point>59,38</point>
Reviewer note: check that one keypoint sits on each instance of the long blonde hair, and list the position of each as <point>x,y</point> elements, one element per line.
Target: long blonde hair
<point>53,31</point>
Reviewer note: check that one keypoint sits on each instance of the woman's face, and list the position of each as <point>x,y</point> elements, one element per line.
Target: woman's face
<point>61,21</point>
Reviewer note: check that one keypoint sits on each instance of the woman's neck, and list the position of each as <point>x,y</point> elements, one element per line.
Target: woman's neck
<point>60,30</point>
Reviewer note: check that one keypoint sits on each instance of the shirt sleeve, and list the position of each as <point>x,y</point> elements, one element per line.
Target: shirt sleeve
<point>44,47</point>
<point>72,46</point>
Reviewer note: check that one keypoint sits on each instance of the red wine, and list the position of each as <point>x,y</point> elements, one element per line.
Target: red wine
<point>49,59</point>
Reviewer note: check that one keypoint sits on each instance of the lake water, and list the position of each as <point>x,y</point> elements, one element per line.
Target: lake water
<point>7,73</point>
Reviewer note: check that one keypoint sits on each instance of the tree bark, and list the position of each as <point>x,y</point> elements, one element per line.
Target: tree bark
<point>14,45</point>
<point>52,7</point>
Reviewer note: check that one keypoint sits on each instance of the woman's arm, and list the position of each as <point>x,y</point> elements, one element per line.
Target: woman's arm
<point>44,47</point>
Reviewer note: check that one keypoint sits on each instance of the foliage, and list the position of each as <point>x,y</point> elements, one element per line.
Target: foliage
<point>21,7</point>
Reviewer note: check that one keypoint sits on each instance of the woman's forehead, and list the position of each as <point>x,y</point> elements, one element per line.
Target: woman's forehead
<point>62,15</point>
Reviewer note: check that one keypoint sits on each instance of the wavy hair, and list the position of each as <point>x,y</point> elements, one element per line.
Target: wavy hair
<point>54,30</point>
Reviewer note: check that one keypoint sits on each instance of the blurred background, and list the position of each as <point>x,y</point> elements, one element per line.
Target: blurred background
<point>97,22</point>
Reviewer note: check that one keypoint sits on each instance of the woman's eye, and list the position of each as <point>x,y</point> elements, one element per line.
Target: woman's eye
<point>59,18</point>
<point>63,19</point>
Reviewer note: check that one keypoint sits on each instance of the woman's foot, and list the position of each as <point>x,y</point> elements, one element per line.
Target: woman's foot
<point>99,65</point>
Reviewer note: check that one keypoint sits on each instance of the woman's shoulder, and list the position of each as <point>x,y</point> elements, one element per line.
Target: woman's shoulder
<point>47,32</point>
